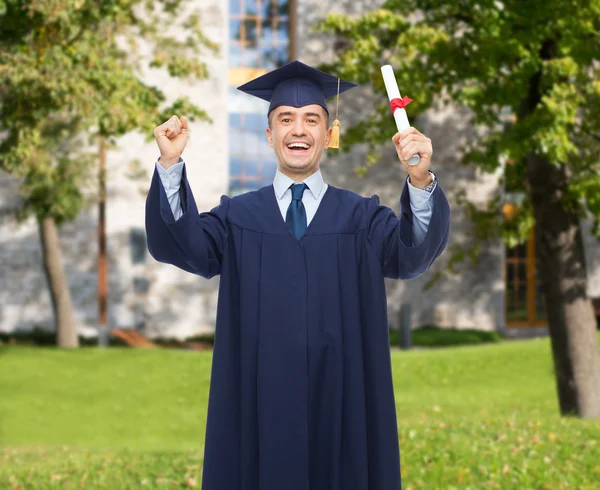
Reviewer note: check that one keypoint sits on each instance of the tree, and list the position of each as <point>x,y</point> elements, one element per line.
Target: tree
<point>69,79</point>
<point>537,64</point>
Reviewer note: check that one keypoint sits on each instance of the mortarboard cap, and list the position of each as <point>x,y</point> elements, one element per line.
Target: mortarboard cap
<point>297,85</point>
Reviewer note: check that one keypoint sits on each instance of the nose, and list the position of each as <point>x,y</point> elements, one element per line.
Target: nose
<point>298,129</point>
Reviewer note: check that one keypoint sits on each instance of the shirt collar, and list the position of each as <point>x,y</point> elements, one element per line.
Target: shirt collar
<point>282,182</point>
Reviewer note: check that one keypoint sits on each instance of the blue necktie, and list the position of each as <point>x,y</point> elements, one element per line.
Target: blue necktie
<point>296,214</point>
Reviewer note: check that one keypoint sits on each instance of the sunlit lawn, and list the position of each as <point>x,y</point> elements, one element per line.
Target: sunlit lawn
<point>469,418</point>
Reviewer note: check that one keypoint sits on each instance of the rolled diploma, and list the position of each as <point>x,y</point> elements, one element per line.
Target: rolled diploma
<point>391,85</point>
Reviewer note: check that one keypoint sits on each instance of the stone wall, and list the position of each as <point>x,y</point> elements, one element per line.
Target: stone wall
<point>142,292</point>
<point>167,301</point>
<point>475,299</point>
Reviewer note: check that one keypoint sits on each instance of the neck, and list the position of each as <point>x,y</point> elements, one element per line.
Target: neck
<point>298,176</point>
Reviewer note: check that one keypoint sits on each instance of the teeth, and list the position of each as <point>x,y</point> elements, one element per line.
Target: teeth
<point>299,145</point>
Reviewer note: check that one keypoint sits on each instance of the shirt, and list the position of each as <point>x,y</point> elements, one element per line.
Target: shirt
<point>420,199</point>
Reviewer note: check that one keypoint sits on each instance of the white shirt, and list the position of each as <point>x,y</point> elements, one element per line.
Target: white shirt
<point>316,191</point>
<point>420,199</point>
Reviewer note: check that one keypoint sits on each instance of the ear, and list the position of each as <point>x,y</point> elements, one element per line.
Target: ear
<point>269,137</point>
<point>328,137</point>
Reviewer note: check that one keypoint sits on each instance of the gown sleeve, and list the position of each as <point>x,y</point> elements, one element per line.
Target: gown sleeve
<point>194,242</point>
<point>392,238</point>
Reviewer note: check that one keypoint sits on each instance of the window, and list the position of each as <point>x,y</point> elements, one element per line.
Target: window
<point>259,41</point>
<point>137,242</point>
<point>524,299</point>
<point>524,294</point>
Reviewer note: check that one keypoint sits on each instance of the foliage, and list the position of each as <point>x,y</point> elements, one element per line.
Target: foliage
<point>70,73</point>
<point>468,418</point>
<point>43,337</point>
<point>487,56</point>
<point>434,336</point>
<point>429,335</point>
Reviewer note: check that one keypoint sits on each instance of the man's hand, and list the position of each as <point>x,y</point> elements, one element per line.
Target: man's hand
<point>171,138</point>
<point>408,143</point>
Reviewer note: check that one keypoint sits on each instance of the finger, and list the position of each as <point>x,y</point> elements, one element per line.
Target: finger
<point>184,124</point>
<point>171,124</point>
<point>409,130</point>
<point>407,139</point>
<point>162,129</point>
<point>399,138</point>
<point>424,149</point>
<point>174,128</point>
<point>411,149</point>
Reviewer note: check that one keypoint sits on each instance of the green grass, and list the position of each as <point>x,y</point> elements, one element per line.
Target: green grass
<point>469,418</point>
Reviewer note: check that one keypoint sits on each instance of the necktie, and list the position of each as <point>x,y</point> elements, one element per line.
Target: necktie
<point>296,214</point>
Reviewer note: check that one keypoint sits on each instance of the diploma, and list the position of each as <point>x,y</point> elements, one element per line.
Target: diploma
<point>397,104</point>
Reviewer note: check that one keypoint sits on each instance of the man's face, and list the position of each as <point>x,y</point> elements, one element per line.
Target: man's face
<point>299,136</point>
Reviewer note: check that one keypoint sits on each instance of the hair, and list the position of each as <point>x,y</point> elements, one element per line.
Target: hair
<point>270,117</point>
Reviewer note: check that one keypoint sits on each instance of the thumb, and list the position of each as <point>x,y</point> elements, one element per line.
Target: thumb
<point>184,124</point>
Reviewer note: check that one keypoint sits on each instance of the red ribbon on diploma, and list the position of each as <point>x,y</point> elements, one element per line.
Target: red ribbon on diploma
<point>399,103</point>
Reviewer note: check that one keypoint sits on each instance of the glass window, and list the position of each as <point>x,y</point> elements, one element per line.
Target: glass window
<point>259,39</point>
<point>235,55</point>
<point>235,167</point>
<point>235,30</point>
<point>235,120</point>
<point>251,7</point>
<point>235,187</point>
<point>257,123</point>
<point>524,296</point>
<point>250,143</point>
<point>234,7</point>
<point>141,285</point>
<point>137,240</point>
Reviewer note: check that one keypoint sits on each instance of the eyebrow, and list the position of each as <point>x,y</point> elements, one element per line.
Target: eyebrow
<point>290,113</point>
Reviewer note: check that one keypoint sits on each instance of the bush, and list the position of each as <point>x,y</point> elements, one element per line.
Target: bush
<point>42,337</point>
<point>434,336</point>
<point>427,336</point>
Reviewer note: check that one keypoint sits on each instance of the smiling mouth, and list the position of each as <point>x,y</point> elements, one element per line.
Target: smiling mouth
<point>298,147</point>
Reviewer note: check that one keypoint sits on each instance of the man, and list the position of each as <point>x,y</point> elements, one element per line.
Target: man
<point>301,394</point>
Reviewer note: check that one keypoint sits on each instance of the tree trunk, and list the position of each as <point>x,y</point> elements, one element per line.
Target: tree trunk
<point>66,333</point>
<point>562,268</point>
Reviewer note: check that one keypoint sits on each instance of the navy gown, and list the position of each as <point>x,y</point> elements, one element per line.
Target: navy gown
<point>301,394</point>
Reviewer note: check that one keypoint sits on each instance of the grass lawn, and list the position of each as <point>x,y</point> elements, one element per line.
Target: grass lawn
<point>470,418</point>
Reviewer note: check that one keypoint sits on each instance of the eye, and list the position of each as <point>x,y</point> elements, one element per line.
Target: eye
<point>286,120</point>
<point>312,121</point>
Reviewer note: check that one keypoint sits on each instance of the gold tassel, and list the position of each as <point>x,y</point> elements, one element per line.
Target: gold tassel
<point>334,141</point>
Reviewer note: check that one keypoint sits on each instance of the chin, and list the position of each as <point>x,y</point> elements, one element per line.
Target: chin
<point>299,166</point>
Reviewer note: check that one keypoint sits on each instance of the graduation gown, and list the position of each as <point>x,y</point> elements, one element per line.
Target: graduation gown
<point>301,394</point>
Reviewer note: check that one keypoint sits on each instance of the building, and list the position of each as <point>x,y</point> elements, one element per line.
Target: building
<point>231,156</point>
